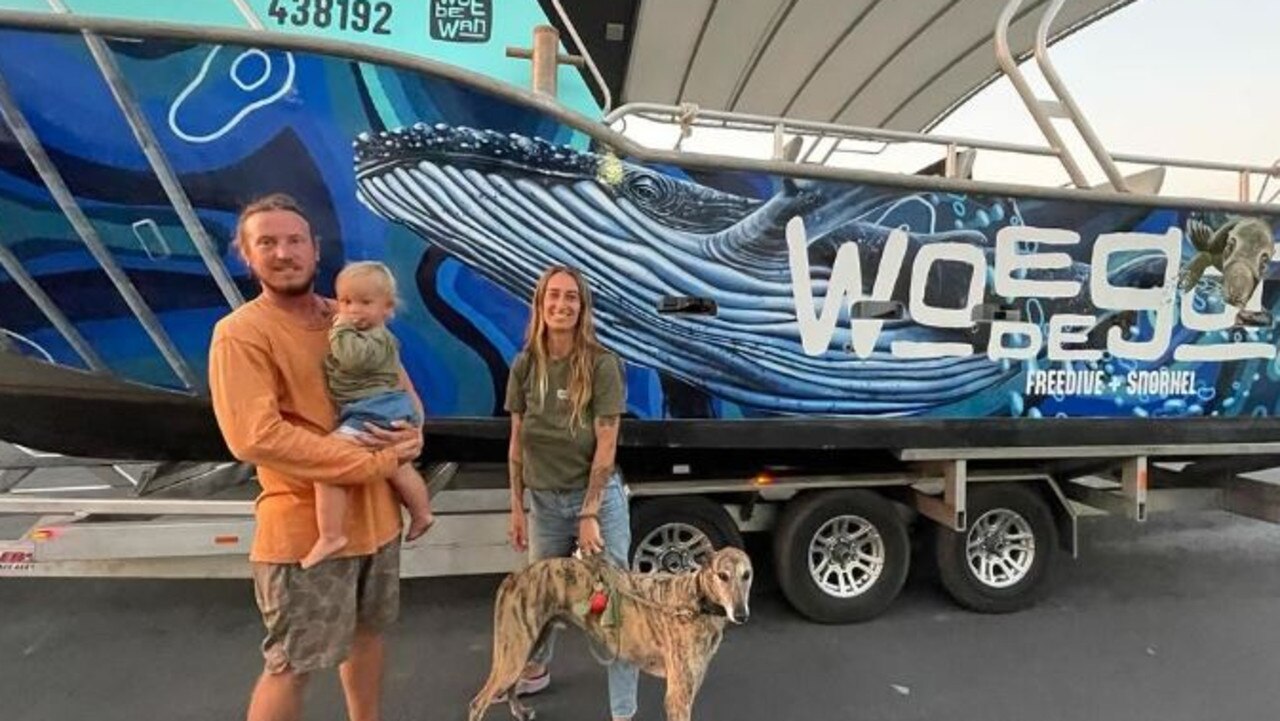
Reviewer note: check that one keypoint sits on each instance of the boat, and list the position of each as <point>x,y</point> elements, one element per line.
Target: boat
<point>784,309</point>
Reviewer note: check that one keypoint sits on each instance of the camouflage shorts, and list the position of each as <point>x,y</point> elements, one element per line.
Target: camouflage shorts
<point>311,616</point>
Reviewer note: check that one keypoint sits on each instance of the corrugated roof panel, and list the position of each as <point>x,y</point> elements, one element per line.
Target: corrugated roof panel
<point>882,63</point>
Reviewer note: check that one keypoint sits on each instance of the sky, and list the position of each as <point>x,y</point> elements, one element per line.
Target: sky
<point>1191,79</point>
<point>1175,78</point>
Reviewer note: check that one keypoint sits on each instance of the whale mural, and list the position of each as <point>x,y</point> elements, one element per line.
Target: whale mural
<point>509,206</point>
<point>852,297</point>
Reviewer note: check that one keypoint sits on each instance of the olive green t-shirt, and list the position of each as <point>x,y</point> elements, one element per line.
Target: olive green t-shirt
<point>361,363</point>
<point>557,458</point>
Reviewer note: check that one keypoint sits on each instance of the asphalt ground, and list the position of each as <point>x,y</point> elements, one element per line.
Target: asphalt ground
<point>1175,619</point>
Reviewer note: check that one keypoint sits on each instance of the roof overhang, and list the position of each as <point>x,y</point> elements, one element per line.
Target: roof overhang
<point>898,64</point>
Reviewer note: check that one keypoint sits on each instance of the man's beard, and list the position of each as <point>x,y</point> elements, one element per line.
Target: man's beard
<point>292,290</point>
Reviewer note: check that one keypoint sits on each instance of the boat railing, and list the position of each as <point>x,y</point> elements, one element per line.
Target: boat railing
<point>689,116</point>
<point>1064,106</point>
<point>1065,103</point>
<point>814,134</point>
<point>790,136</point>
<point>585,54</point>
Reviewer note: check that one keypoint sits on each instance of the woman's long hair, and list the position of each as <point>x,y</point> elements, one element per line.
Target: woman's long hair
<point>581,357</point>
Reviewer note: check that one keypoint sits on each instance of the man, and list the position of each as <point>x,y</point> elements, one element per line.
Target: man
<point>269,395</point>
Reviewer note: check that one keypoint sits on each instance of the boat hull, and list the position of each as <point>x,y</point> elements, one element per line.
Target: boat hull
<point>852,311</point>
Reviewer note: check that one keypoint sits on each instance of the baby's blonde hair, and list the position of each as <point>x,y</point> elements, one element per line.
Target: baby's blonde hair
<point>373,271</point>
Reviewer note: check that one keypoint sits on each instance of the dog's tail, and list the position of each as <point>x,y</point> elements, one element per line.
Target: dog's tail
<point>503,674</point>
<point>504,591</point>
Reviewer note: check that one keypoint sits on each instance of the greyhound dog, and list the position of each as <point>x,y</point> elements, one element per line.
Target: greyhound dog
<point>668,625</point>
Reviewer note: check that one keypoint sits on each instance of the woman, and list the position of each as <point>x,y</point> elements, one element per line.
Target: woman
<point>565,396</point>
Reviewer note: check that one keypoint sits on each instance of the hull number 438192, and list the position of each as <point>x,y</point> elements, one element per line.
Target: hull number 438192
<point>362,16</point>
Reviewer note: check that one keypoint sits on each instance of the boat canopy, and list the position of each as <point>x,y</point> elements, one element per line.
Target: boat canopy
<point>870,63</point>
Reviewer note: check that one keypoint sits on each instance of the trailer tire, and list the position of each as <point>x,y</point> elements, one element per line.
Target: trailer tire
<point>1011,525</point>
<point>835,527</point>
<point>674,534</point>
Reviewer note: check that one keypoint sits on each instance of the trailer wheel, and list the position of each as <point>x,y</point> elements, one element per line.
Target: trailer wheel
<point>841,556</point>
<point>674,535</point>
<point>1000,564</point>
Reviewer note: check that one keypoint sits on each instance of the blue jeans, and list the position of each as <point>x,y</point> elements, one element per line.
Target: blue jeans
<point>381,410</point>
<point>553,532</point>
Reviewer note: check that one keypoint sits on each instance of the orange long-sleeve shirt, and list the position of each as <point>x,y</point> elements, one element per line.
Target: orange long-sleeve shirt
<point>266,378</point>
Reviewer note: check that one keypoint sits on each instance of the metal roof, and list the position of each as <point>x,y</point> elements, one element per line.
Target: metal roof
<point>899,64</point>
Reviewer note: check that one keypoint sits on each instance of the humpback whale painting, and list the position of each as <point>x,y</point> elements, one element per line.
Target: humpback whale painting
<point>849,298</point>
<point>642,236</point>
<point>508,206</point>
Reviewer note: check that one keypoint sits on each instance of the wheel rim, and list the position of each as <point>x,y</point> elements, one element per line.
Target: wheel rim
<point>846,556</point>
<point>1000,548</point>
<point>672,548</point>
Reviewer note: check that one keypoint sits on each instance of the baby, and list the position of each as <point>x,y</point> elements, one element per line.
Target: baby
<point>363,373</point>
